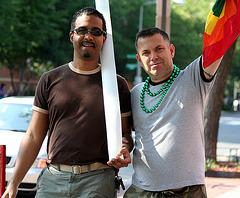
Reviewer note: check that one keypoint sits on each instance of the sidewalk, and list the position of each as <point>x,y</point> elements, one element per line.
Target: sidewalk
<point>217,187</point>
<point>223,187</point>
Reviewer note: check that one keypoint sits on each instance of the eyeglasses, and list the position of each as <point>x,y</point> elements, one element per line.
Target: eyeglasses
<point>82,32</point>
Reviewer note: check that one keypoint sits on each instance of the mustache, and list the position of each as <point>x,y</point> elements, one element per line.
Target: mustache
<point>87,42</point>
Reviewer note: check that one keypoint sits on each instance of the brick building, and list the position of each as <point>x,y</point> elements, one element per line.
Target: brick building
<point>29,81</point>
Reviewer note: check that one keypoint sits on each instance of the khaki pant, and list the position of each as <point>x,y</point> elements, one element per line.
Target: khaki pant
<point>53,183</point>
<point>198,191</point>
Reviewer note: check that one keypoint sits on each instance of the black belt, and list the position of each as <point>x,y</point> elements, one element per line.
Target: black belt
<point>169,193</point>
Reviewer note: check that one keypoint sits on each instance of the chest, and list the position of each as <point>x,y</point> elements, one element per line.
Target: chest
<point>76,92</point>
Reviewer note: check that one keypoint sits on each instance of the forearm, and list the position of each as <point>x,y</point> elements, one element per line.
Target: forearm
<point>211,70</point>
<point>27,154</point>
<point>127,141</point>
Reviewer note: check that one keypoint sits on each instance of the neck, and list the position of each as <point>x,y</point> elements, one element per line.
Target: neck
<point>161,78</point>
<point>85,65</point>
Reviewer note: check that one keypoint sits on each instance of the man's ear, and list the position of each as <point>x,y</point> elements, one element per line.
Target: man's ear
<point>172,50</point>
<point>104,38</point>
<point>139,59</point>
<point>71,36</point>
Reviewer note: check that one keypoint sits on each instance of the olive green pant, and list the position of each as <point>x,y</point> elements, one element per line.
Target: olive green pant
<point>198,191</point>
<point>53,183</point>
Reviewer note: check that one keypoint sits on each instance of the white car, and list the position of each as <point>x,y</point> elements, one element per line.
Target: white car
<point>15,115</point>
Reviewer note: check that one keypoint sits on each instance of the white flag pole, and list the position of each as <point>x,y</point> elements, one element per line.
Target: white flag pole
<point>110,88</point>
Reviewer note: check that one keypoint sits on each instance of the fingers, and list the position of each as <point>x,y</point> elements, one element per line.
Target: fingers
<point>122,160</point>
<point>5,195</point>
<point>10,193</point>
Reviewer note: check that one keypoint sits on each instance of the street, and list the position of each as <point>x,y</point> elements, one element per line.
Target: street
<point>229,131</point>
<point>229,134</point>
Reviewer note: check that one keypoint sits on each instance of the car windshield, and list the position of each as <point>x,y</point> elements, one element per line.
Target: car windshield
<point>15,117</point>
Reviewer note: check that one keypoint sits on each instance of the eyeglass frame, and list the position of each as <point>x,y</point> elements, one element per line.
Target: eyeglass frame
<point>87,31</point>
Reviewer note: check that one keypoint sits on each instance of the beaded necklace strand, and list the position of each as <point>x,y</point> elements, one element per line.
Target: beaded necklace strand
<point>163,90</point>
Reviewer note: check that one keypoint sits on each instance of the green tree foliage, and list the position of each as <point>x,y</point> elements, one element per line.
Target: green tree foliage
<point>39,31</point>
<point>34,35</point>
<point>187,29</point>
<point>26,26</point>
<point>234,76</point>
<point>124,17</point>
<point>58,49</point>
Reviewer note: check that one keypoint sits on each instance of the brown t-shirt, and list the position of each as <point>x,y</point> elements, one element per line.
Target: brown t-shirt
<point>73,100</point>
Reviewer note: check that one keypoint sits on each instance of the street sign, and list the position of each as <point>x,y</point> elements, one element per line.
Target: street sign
<point>131,66</point>
<point>131,56</point>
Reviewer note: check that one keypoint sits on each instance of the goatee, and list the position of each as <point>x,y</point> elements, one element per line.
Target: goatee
<point>86,55</point>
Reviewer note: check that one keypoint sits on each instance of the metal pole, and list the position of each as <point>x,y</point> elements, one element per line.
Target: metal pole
<point>2,169</point>
<point>140,18</point>
<point>164,6</point>
<point>138,77</point>
<point>159,14</point>
<point>235,90</point>
<point>163,10</point>
<point>168,17</point>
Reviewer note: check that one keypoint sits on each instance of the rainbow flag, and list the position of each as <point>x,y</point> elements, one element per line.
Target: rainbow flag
<point>221,30</point>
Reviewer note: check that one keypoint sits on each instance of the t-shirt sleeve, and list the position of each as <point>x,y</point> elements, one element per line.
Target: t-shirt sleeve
<point>194,72</point>
<point>124,97</point>
<point>40,100</point>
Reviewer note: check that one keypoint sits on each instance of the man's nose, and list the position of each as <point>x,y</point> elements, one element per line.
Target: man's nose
<point>88,35</point>
<point>154,56</point>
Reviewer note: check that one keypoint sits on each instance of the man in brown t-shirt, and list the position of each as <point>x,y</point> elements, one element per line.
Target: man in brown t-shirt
<point>69,105</point>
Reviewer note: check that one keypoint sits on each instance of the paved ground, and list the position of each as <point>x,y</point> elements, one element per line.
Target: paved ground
<point>223,187</point>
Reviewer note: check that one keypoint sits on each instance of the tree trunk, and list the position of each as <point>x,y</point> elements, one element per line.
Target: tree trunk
<point>12,82</point>
<point>214,105</point>
<point>25,89</point>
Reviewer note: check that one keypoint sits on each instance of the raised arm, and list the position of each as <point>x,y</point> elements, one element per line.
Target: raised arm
<point>221,30</point>
<point>212,69</point>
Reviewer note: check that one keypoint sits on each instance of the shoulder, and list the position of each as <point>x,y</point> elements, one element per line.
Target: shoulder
<point>122,82</point>
<point>194,65</point>
<point>57,69</point>
<point>120,78</point>
<point>137,87</point>
<point>53,73</point>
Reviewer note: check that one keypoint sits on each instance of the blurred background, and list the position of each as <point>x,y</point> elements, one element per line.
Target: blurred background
<point>34,38</point>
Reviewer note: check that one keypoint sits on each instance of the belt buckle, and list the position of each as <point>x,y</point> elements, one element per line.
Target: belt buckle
<point>76,169</point>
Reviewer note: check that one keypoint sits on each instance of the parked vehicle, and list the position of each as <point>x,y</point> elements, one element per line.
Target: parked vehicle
<point>236,104</point>
<point>15,115</point>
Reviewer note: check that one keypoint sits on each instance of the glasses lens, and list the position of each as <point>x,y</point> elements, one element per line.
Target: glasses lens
<point>96,32</point>
<point>81,31</point>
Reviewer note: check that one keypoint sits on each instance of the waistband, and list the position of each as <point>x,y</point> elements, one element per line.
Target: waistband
<point>79,169</point>
<point>169,193</point>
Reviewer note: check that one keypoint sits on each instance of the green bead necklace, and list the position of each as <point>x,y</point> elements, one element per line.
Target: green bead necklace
<point>162,91</point>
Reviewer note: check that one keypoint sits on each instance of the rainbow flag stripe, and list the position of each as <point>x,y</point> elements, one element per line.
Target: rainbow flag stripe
<point>221,30</point>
